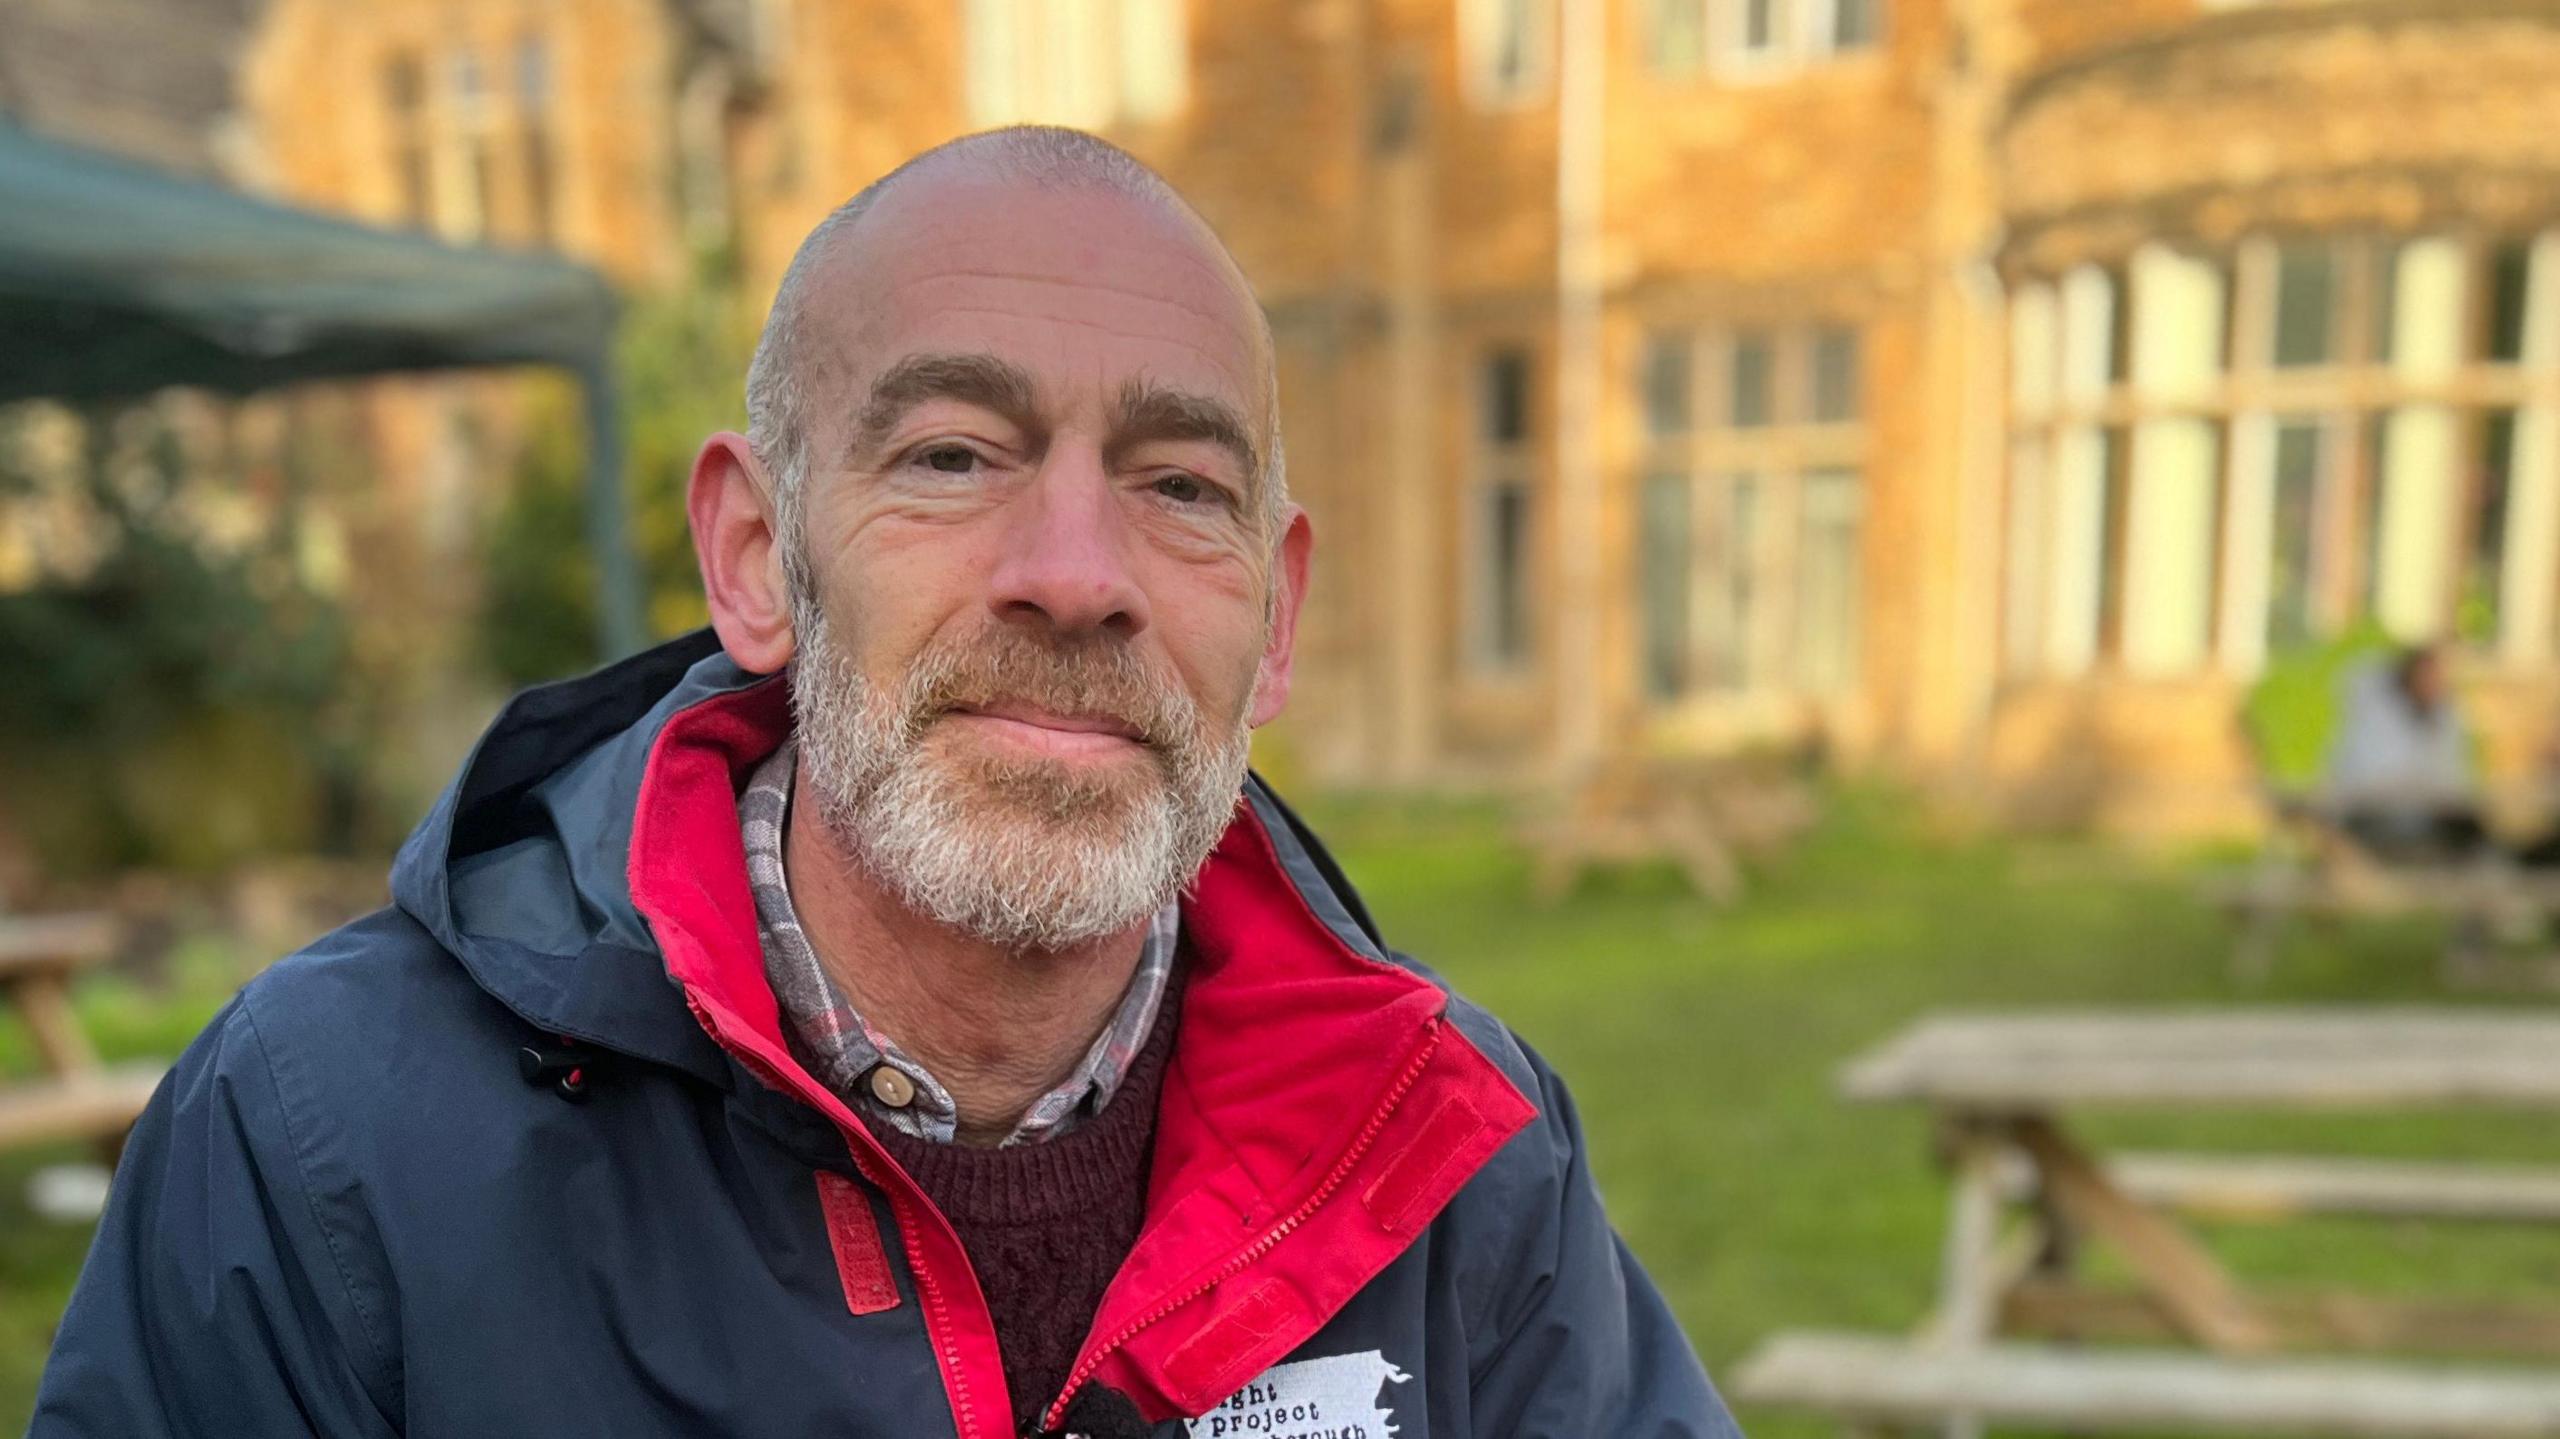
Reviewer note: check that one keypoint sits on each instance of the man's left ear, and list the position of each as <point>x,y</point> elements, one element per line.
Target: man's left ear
<point>1289,590</point>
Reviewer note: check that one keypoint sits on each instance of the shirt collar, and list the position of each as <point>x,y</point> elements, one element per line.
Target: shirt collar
<point>842,1049</point>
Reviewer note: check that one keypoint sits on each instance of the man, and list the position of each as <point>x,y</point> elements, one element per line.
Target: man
<point>904,1017</point>
<point>2399,772</point>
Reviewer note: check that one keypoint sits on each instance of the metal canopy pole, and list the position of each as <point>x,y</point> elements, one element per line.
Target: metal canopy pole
<point>621,626</point>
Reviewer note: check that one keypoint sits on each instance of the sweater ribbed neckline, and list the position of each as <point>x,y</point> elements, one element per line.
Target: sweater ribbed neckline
<point>1096,1162</point>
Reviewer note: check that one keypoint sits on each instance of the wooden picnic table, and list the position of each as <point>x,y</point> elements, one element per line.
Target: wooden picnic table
<point>77,1097</point>
<point>2311,865</point>
<point>2010,1339</point>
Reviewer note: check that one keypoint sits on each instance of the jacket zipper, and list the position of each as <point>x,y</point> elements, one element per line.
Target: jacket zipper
<point>928,1286</point>
<point>1253,1253</point>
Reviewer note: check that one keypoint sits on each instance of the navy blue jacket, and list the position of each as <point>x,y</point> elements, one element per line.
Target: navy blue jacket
<point>525,1153</point>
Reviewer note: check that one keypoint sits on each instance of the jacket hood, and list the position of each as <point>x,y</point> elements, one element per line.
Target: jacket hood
<point>521,868</point>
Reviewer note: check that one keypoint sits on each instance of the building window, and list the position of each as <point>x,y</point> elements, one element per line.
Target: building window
<point>2281,442</point>
<point>2488,527</point>
<point>1508,49</point>
<point>404,104</point>
<point>1856,24</point>
<point>1094,64</point>
<point>534,132</point>
<point>1735,658</point>
<point>1749,559</point>
<point>1666,584</point>
<point>1667,385</point>
<point>1675,36</point>
<point>1500,521</point>
<point>1758,36</point>
<point>1835,377</point>
<point>472,192</point>
<point>1750,368</point>
<point>1831,515</point>
<point>1505,402</point>
<point>1504,644</point>
<point>2296,509</point>
<point>2306,304</point>
<point>1748,37</point>
<point>2510,281</point>
<point>1155,58</point>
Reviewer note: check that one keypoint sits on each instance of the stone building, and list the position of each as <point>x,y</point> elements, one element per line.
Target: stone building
<point>1987,387</point>
<point>2282,287</point>
<point>1984,388</point>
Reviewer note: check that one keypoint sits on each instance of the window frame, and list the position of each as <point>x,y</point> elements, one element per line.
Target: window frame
<point>406,79</point>
<point>1751,666</point>
<point>1480,35</point>
<point>1803,35</point>
<point>1012,70</point>
<point>2380,386</point>
<point>473,129</point>
<point>1498,464</point>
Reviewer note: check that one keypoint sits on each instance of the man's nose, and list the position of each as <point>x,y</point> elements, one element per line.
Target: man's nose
<point>1066,560</point>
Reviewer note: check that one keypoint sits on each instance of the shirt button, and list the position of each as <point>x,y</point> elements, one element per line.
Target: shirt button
<point>891,1087</point>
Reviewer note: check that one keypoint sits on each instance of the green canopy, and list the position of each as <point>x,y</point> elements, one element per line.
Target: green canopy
<point>117,280</point>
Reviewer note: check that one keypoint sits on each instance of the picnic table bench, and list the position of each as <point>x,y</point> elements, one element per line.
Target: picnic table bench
<point>2310,866</point>
<point>78,1097</point>
<point>2020,1337</point>
<point>1704,813</point>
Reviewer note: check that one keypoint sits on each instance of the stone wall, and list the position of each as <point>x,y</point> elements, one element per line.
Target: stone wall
<point>2428,116</point>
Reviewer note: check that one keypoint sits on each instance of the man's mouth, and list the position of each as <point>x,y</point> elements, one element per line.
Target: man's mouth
<point>1052,732</point>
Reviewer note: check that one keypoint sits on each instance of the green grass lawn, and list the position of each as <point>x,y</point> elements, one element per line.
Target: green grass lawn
<point>1701,1046</point>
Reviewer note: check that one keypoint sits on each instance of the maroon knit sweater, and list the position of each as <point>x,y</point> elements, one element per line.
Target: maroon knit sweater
<point>1046,1225</point>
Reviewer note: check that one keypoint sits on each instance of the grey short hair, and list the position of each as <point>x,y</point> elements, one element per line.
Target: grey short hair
<point>1044,156</point>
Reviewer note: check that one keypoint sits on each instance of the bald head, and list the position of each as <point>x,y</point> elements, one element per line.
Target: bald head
<point>795,384</point>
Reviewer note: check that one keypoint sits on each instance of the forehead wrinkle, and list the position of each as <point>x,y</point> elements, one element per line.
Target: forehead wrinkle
<point>1254,331</point>
<point>1078,282</point>
<point>1206,353</point>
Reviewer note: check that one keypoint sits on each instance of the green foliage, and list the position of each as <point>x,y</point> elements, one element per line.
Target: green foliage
<point>160,629</point>
<point>2293,711</point>
<point>169,703</point>
<point>682,361</point>
<point>162,626</point>
<point>538,585</point>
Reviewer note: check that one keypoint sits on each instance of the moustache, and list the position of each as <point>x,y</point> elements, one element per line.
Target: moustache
<point>1093,679</point>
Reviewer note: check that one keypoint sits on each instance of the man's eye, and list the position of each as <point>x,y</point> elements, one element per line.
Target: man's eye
<point>1182,489</point>
<point>949,459</point>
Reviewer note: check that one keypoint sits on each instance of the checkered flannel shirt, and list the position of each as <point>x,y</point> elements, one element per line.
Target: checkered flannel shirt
<point>842,1049</point>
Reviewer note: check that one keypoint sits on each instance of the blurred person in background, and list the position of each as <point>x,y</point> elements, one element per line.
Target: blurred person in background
<point>2400,776</point>
<point>898,1011</point>
<point>2543,850</point>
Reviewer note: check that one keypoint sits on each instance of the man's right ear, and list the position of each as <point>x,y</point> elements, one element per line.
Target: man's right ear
<point>731,508</point>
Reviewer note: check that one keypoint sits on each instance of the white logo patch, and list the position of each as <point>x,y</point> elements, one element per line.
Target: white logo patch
<point>1332,1398</point>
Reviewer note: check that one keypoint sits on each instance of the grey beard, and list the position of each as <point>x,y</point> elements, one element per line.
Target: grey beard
<point>1013,854</point>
